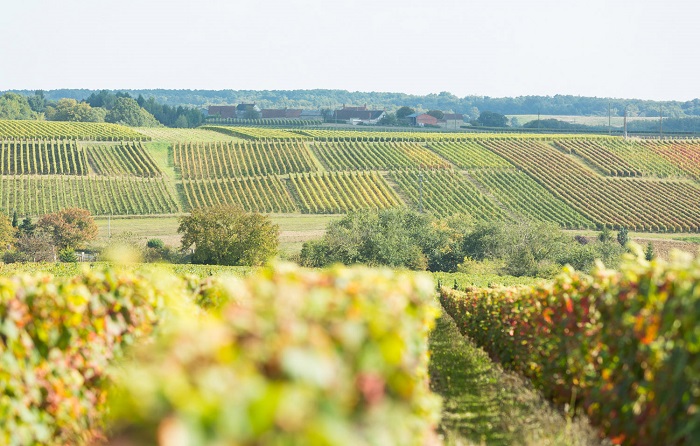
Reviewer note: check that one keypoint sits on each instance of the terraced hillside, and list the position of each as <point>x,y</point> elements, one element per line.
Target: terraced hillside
<point>574,181</point>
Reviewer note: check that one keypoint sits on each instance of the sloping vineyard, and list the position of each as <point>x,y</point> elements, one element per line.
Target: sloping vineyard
<point>348,155</point>
<point>641,158</point>
<point>262,194</point>
<point>37,195</point>
<point>446,192</point>
<point>522,195</point>
<point>468,154</point>
<point>127,158</point>
<point>45,157</point>
<point>190,135</point>
<point>683,154</point>
<point>426,136</point>
<point>598,156</point>
<point>340,192</point>
<point>236,159</point>
<point>637,204</point>
<point>254,132</point>
<point>85,131</point>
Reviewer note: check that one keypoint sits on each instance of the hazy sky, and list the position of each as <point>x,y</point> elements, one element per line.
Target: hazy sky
<point>617,48</point>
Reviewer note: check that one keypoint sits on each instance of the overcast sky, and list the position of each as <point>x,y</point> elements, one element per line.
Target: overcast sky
<point>607,48</point>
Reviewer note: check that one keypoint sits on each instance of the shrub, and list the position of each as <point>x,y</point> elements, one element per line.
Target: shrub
<point>67,255</point>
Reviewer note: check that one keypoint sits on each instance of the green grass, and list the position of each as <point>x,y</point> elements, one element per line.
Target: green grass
<point>72,269</point>
<point>164,134</point>
<point>160,152</point>
<point>482,404</point>
<point>617,121</point>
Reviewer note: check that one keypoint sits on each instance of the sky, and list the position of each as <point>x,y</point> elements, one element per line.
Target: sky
<point>606,48</point>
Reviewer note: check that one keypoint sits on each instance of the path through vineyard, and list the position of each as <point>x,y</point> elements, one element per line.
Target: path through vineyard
<point>485,405</point>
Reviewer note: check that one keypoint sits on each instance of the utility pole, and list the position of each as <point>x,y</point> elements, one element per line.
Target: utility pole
<point>538,118</point>
<point>625,124</point>
<point>420,188</point>
<point>661,120</point>
<point>609,119</point>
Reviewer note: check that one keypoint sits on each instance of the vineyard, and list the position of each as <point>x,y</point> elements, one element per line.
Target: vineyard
<point>575,181</point>
<point>84,131</point>
<point>238,159</point>
<point>341,192</point>
<point>348,155</point>
<point>255,132</point>
<point>127,158</point>
<point>642,205</point>
<point>37,195</point>
<point>445,192</point>
<point>522,195</point>
<point>44,157</point>
<point>254,194</point>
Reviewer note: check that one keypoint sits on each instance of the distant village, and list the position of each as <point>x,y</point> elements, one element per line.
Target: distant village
<point>353,115</point>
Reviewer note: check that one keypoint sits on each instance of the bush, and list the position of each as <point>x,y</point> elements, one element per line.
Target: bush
<point>67,255</point>
<point>623,345</point>
<point>155,243</point>
<point>289,357</point>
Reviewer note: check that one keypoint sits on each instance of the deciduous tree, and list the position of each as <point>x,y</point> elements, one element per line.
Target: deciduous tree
<point>69,228</point>
<point>227,235</point>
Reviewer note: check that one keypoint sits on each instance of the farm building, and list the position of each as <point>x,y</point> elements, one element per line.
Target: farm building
<point>421,119</point>
<point>312,115</point>
<point>222,111</point>
<point>452,120</point>
<point>242,108</point>
<point>281,113</point>
<point>357,115</point>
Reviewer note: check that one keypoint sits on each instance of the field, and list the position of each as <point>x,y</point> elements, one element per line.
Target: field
<point>86,131</point>
<point>578,182</point>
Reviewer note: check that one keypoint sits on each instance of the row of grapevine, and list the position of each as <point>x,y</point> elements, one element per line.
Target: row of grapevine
<point>348,155</point>
<point>468,154</point>
<point>127,158</point>
<point>598,156</point>
<point>225,160</point>
<point>255,132</point>
<point>86,131</point>
<point>683,154</point>
<point>446,192</point>
<point>37,195</point>
<point>31,157</point>
<point>522,195</point>
<point>340,192</point>
<point>637,204</point>
<point>263,194</point>
<point>173,135</point>
<point>290,122</point>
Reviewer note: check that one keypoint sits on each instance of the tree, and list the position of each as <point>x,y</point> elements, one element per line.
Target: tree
<point>35,247</point>
<point>69,228</point>
<point>227,235</point>
<point>37,102</point>
<point>72,110</point>
<point>15,106</point>
<point>605,235</point>
<point>404,111</point>
<point>389,119</point>
<point>649,253</point>
<point>437,114</point>
<point>251,113</point>
<point>27,227</point>
<point>492,119</point>
<point>126,111</point>
<point>623,236</point>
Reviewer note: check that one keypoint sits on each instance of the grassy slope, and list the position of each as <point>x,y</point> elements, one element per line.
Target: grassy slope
<point>485,405</point>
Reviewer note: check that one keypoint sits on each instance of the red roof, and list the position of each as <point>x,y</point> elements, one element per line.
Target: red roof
<point>225,111</point>
<point>426,119</point>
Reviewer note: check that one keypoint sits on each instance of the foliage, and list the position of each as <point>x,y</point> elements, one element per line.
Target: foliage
<point>492,119</point>
<point>72,110</point>
<point>623,236</point>
<point>155,243</point>
<point>404,111</point>
<point>261,194</point>
<point>621,345</point>
<point>649,254</point>
<point>59,336</point>
<point>7,232</point>
<point>126,111</point>
<point>15,106</point>
<point>251,113</point>
<point>289,357</point>
<point>69,227</point>
<point>67,255</point>
<point>34,246</point>
<point>605,235</point>
<point>396,237</point>
<point>437,114</point>
<point>226,235</point>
